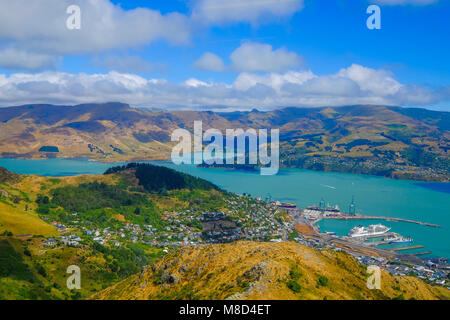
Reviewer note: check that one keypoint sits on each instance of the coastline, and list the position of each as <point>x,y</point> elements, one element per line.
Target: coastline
<point>230,167</point>
<point>344,186</point>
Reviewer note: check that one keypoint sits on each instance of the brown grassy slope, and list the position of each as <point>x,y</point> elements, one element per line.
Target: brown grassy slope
<point>20,218</point>
<point>254,270</point>
<point>96,130</point>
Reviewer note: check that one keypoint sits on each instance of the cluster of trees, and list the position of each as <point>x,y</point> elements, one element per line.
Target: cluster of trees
<point>12,263</point>
<point>161,179</point>
<point>125,261</point>
<point>98,202</point>
<point>92,196</point>
<point>419,157</point>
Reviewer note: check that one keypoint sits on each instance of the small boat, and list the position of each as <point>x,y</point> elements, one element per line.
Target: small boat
<point>288,205</point>
<point>402,240</point>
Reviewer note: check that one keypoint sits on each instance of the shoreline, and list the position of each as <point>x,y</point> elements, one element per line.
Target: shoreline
<point>114,161</point>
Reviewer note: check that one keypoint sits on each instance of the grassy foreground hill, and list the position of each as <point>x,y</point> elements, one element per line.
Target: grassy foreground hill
<point>33,256</point>
<point>261,270</point>
<point>404,143</point>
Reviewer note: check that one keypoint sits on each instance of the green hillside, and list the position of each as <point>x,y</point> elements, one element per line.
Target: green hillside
<point>33,268</point>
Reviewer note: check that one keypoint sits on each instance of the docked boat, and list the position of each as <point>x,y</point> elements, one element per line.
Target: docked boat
<point>397,238</point>
<point>372,230</point>
<point>287,205</point>
<point>402,240</point>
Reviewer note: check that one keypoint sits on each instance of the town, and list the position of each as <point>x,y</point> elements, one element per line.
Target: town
<point>247,218</point>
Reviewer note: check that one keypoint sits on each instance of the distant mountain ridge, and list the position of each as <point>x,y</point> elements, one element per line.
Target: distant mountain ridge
<point>390,141</point>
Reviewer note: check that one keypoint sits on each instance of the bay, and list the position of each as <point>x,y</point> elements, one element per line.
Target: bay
<point>377,196</point>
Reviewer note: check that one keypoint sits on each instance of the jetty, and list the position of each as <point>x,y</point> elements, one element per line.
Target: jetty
<point>362,217</point>
<point>422,253</point>
<point>408,248</point>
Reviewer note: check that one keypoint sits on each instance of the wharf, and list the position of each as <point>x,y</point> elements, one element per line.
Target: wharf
<point>362,217</point>
<point>408,248</point>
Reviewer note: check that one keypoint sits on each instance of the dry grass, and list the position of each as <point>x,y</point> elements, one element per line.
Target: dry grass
<point>252,270</point>
<point>19,222</point>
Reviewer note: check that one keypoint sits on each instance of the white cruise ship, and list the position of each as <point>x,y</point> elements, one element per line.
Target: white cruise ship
<point>372,230</point>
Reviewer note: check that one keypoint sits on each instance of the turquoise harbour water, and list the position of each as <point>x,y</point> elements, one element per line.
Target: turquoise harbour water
<point>427,202</point>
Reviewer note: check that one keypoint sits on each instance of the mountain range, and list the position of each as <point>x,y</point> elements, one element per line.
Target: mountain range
<point>396,142</point>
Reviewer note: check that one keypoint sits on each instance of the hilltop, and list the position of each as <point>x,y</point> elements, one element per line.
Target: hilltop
<point>8,176</point>
<point>258,270</point>
<point>404,143</point>
<point>157,178</point>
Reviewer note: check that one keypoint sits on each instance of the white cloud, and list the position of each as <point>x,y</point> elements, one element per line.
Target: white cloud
<point>276,81</point>
<point>252,57</point>
<point>378,82</point>
<point>259,57</point>
<point>352,85</point>
<point>209,61</point>
<point>192,82</point>
<point>405,2</point>
<point>38,27</point>
<point>219,12</point>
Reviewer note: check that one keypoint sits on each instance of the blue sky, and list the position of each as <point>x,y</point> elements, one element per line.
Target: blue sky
<point>323,45</point>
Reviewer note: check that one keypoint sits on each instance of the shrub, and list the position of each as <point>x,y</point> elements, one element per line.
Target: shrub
<point>294,286</point>
<point>40,269</point>
<point>322,281</point>
<point>295,273</point>
<point>27,252</point>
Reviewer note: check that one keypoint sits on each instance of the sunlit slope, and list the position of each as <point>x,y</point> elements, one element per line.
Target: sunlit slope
<point>20,222</point>
<point>251,270</point>
<point>17,200</point>
<point>16,207</point>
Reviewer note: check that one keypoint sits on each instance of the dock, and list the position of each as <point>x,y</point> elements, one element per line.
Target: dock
<point>408,248</point>
<point>365,247</point>
<point>422,253</point>
<point>362,217</point>
<point>381,235</point>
